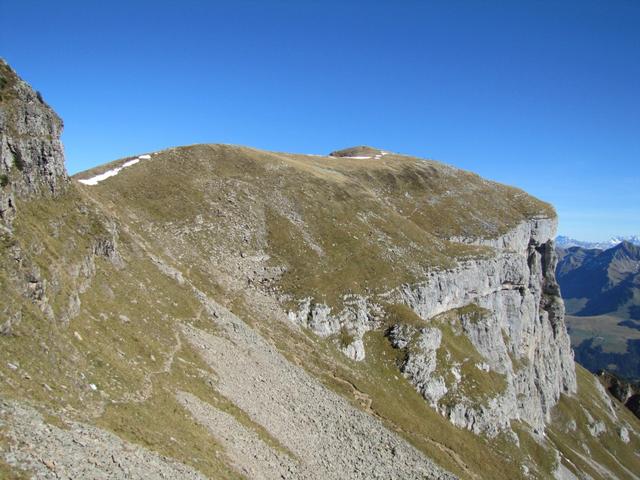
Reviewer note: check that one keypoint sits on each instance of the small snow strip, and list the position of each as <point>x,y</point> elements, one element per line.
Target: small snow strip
<point>131,162</point>
<point>111,173</point>
<point>359,158</point>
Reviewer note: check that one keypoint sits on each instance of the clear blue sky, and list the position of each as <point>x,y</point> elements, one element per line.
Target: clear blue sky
<point>544,95</point>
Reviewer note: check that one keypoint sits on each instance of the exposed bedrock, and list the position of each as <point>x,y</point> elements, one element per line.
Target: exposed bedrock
<point>31,153</point>
<point>522,335</point>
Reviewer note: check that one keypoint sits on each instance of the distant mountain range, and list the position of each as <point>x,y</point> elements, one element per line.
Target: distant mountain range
<point>566,242</point>
<point>601,290</point>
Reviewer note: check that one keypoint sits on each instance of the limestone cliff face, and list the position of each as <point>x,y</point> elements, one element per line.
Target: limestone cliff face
<point>520,334</point>
<point>523,336</point>
<point>31,154</point>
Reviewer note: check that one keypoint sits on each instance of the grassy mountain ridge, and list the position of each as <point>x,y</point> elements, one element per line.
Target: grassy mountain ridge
<point>386,214</point>
<point>144,327</point>
<point>152,231</point>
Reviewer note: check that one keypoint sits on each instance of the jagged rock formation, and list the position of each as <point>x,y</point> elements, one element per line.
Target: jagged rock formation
<point>32,169</point>
<point>627,393</point>
<point>358,316</point>
<point>160,318</point>
<point>521,335</point>
<point>31,154</point>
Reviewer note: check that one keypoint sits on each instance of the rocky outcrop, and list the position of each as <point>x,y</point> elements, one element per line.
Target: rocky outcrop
<point>32,166</point>
<point>31,153</point>
<point>420,365</point>
<point>359,315</point>
<point>626,392</point>
<point>522,336</point>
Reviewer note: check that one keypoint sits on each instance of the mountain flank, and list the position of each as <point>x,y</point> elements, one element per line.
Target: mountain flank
<point>218,311</point>
<point>601,289</point>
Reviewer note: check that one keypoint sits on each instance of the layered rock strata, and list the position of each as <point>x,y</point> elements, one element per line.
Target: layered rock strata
<point>522,336</point>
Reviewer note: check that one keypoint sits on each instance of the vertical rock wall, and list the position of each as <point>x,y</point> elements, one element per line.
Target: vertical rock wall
<point>31,154</point>
<point>523,336</point>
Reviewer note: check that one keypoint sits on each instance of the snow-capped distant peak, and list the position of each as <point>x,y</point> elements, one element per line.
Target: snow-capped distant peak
<point>567,242</point>
<point>635,239</point>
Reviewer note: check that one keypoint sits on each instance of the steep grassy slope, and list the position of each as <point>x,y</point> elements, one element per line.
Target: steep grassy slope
<point>243,223</point>
<point>144,328</point>
<point>188,219</point>
<point>115,362</point>
<point>126,341</point>
<point>337,224</point>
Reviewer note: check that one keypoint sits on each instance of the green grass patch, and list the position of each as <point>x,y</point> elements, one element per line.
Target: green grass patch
<point>7,472</point>
<point>473,313</point>
<point>18,162</point>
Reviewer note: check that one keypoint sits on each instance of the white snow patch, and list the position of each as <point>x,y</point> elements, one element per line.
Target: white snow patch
<point>144,157</point>
<point>359,158</point>
<point>93,387</point>
<point>111,173</point>
<point>98,178</point>
<point>132,162</point>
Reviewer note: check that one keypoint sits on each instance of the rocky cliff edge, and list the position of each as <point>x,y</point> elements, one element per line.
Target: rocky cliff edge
<point>31,153</point>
